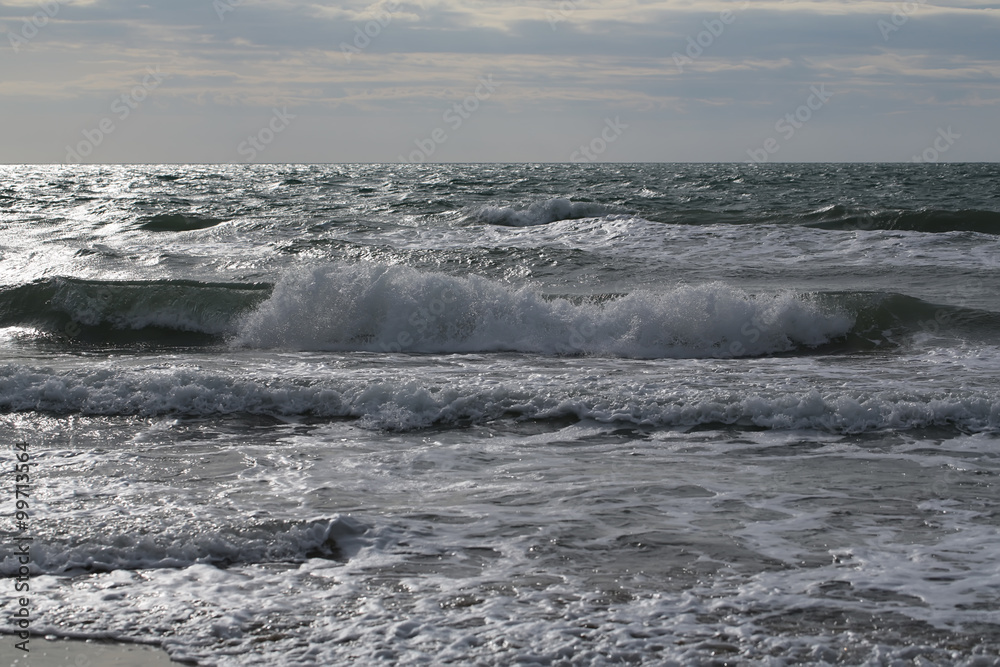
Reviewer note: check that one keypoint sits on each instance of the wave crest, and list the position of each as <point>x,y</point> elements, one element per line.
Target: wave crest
<point>541,213</point>
<point>930,221</point>
<point>380,308</point>
<point>126,311</point>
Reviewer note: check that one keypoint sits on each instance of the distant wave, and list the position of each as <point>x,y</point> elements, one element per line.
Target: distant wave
<point>922,220</point>
<point>834,217</point>
<point>541,213</point>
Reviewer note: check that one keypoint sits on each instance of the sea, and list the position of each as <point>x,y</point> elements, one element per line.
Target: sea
<point>504,414</point>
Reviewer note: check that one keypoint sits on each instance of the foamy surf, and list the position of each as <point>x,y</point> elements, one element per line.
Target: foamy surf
<point>712,413</point>
<point>384,308</point>
<point>474,393</point>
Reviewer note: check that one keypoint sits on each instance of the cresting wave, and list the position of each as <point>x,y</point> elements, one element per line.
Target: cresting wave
<point>834,217</point>
<point>400,403</point>
<point>386,308</point>
<point>383,308</point>
<point>264,542</point>
<point>930,221</point>
<point>541,213</point>
<point>116,311</point>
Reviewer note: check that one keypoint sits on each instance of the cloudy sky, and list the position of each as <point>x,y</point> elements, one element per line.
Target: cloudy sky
<point>505,80</point>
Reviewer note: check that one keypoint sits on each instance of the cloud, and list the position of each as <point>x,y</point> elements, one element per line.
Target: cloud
<point>571,58</point>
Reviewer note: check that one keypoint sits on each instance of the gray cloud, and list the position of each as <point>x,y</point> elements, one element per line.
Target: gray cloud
<point>577,65</point>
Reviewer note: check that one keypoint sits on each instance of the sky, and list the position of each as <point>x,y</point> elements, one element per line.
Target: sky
<point>233,81</point>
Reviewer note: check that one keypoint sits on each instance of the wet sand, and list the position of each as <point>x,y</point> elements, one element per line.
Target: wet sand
<point>65,652</point>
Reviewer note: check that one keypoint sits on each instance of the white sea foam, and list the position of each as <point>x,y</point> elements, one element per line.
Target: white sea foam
<point>758,549</point>
<point>384,308</point>
<point>841,520</point>
<point>398,402</point>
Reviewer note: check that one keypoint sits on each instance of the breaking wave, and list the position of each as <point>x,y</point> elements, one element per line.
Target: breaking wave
<point>541,213</point>
<point>402,403</point>
<point>385,308</point>
<point>378,307</point>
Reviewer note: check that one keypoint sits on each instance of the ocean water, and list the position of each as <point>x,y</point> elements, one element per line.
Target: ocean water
<point>507,414</point>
